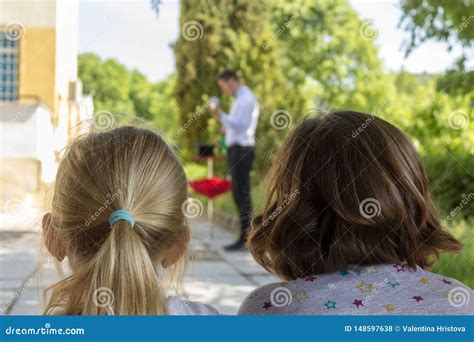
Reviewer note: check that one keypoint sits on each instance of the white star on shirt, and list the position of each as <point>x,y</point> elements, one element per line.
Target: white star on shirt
<point>370,269</point>
<point>332,286</point>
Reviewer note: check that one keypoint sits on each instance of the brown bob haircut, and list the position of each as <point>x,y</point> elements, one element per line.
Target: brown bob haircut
<point>346,189</point>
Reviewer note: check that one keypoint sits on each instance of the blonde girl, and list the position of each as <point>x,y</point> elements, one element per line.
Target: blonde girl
<point>116,216</point>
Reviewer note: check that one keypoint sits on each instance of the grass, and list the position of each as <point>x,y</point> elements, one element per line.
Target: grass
<point>460,266</point>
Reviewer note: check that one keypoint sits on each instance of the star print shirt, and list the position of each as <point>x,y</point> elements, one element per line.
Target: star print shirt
<point>374,290</point>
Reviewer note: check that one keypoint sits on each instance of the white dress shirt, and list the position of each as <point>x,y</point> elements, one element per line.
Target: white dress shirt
<point>241,122</point>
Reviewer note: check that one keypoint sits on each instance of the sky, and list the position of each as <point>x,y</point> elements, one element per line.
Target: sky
<point>131,32</point>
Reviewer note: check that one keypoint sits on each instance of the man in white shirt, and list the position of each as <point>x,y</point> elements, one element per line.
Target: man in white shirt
<point>239,126</point>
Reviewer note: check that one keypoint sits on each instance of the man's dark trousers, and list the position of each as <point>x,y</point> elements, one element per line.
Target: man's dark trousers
<point>240,160</point>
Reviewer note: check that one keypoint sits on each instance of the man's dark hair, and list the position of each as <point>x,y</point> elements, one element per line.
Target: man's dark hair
<point>227,75</point>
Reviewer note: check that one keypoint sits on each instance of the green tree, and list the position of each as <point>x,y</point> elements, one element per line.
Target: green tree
<point>164,108</point>
<point>129,94</point>
<point>109,81</point>
<point>216,35</point>
<point>326,42</point>
<point>451,22</point>
<point>439,125</point>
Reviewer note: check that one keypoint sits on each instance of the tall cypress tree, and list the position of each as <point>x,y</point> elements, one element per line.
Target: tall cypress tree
<point>217,35</point>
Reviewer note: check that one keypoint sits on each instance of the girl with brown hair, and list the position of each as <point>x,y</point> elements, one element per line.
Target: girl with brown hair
<point>350,226</point>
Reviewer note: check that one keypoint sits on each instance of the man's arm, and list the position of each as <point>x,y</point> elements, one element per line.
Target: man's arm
<point>240,116</point>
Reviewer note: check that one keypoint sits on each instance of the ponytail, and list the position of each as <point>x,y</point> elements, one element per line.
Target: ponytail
<point>114,262</point>
<point>120,280</point>
<point>124,266</point>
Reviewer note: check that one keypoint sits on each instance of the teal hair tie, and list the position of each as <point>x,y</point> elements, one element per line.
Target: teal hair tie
<point>118,215</point>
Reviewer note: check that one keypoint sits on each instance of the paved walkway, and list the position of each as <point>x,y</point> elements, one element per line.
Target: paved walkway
<point>213,277</point>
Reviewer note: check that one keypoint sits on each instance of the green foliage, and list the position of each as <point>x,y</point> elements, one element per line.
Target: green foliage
<point>451,181</point>
<point>442,130</point>
<point>437,19</point>
<point>459,266</point>
<point>129,94</point>
<point>324,42</point>
<point>227,35</point>
<point>164,108</point>
<point>446,21</point>
<point>284,51</point>
<point>109,81</point>
<point>457,81</point>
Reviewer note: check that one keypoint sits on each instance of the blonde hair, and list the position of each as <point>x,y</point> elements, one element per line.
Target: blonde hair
<point>113,268</point>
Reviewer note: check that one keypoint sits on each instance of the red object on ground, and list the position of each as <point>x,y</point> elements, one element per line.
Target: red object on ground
<point>210,187</point>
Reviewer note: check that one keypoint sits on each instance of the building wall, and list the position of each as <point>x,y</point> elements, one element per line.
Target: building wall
<point>32,13</point>
<point>37,47</point>
<point>48,56</point>
<point>48,50</point>
<point>47,64</point>
<point>38,64</point>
